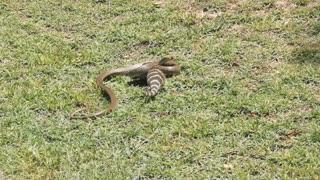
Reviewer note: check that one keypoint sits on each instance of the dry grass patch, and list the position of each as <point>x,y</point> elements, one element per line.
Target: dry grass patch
<point>285,5</point>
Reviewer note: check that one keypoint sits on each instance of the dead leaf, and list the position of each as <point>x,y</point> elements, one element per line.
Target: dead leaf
<point>158,4</point>
<point>231,153</point>
<point>274,121</point>
<point>2,177</point>
<point>235,64</point>
<point>254,115</point>
<point>292,133</point>
<point>228,166</point>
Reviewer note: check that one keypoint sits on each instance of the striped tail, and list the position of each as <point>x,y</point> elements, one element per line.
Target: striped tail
<point>155,80</point>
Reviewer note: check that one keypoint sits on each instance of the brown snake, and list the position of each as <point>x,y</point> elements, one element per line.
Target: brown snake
<point>167,66</point>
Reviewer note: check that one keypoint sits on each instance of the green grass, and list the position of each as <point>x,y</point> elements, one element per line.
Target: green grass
<point>246,104</point>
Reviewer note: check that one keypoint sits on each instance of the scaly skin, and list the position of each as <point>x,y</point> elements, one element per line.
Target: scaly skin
<point>167,65</point>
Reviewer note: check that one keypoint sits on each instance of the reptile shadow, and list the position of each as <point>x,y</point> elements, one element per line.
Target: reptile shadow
<point>142,82</point>
<point>308,53</point>
<point>135,82</point>
<point>105,96</point>
<point>139,82</point>
<point>308,50</point>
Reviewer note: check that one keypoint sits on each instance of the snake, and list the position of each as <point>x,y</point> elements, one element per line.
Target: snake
<point>154,72</point>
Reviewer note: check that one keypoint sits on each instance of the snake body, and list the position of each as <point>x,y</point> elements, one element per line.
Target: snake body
<point>153,71</point>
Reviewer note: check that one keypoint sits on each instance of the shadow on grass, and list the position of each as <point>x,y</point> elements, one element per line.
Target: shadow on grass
<point>139,82</point>
<point>308,53</point>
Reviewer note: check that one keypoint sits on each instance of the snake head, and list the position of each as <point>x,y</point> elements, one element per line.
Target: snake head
<point>168,65</point>
<point>168,61</point>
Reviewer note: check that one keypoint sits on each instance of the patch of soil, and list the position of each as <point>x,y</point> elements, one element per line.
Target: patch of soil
<point>136,51</point>
<point>285,5</point>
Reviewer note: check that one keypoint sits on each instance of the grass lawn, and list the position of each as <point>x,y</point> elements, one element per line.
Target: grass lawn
<point>245,106</point>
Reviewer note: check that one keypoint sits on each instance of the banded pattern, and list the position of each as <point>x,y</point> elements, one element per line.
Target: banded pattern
<point>155,80</point>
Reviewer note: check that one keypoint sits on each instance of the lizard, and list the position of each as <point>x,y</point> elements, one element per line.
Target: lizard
<point>154,71</point>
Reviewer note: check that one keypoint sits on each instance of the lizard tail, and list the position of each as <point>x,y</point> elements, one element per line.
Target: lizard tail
<point>155,80</point>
